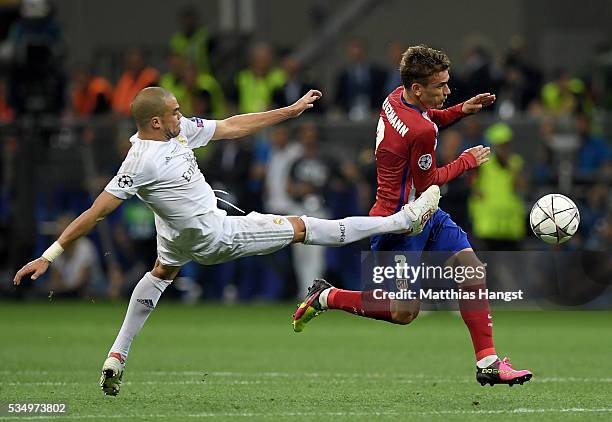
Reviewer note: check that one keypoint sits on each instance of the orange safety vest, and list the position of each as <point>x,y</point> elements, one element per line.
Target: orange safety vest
<point>84,100</point>
<point>129,86</point>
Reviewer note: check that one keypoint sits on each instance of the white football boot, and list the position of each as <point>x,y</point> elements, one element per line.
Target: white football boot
<point>112,373</point>
<point>420,211</point>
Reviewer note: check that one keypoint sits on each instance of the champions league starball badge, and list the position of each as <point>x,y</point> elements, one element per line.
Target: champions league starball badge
<point>425,161</point>
<point>125,181</point>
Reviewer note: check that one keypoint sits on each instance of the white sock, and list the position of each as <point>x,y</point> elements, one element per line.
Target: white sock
<point>486,361</point>
<point>144,299</point>
<point>323,298</point>
<point>351,229</point>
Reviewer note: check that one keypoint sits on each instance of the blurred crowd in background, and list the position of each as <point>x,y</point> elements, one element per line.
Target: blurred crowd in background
<point>64,133</point>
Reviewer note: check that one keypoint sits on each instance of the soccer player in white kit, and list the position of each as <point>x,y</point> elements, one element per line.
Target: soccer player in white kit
<point>160,168</point>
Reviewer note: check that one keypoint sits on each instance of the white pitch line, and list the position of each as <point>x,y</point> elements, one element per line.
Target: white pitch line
<point>273,378</point>
<point>404,413</point>
<point>212,381</point>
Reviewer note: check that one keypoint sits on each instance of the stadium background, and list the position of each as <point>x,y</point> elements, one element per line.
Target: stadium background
<point>233,355</point>
<point>65,122</point>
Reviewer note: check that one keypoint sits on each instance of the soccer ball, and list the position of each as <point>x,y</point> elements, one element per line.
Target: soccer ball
<point>554,218</point>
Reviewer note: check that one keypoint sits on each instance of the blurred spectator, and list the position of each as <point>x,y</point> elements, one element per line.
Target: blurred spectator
<point>594,156</point>
<point>455,194</point>
<point>206,94</point>
<point>601,238</point>
<point>311,180</point>
<point>394,56</point>
<point>192,40</point>
<point>90,94</point>
<point>479,75</point>
<point>521,81</point>
<point>34,50</point>
<point>174,81</point>
<point>77,272</point>
<point>497,210</point>
<point>279,161</point>
<point>564,94</point>
<point>257,83</point>
<point>360,85</point>
<point>603,78</point>
<point>274,164</point>
<point>313,174</point>
<point>294,87</point>
<point>230,167</point>
<point>366,168</point>
<point>544,169</point>
<point>593,211</point>
<point>198,93</point>
<point>137,76</point>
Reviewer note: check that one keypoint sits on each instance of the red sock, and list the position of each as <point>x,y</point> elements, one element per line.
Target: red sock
<point>477,316</point>
<point>360,303</point>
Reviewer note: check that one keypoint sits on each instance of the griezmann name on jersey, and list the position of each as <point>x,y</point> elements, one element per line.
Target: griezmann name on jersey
<point>406,140</point>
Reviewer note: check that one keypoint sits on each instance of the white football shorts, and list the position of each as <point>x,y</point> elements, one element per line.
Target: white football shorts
<point>225,238</point>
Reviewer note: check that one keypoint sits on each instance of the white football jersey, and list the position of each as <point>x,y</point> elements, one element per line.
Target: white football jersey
<point>166,177</point>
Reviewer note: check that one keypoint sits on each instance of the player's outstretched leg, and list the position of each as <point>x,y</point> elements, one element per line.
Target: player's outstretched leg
<point>409,220</point>
<point>501,372</point>
<point>322,296</point>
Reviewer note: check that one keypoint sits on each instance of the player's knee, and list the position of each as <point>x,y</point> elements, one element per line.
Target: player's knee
<point>404,317</point>
<point>164,272</point>
<point>299,229</point>
<point>474,271</point>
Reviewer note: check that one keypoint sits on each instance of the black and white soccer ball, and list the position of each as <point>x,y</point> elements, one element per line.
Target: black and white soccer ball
<point>554,218</point>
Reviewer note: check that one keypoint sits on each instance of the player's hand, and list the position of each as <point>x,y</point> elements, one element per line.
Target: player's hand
<point>305,102</point>
<point>37,268</point>
<point>475,104</point>
<point>480,153</point>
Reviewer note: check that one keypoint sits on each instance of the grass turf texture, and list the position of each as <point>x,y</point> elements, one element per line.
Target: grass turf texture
<point>224,363</point>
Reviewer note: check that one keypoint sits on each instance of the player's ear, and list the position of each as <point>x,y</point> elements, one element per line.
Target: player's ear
<point>416,88</point>
<point>155,122</point>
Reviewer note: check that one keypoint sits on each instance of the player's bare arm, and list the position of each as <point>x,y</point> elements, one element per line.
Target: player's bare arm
<point>104,204</point>
<point>246,124</point>
<point>477,103</point>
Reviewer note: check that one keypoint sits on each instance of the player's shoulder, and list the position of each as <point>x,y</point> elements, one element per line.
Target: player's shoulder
<point>399,106</point>
<point>393,99</point>
<point>195,122</point>
<point>141,156</point>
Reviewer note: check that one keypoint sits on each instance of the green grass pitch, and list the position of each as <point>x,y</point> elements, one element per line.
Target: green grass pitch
<point>234,363</point>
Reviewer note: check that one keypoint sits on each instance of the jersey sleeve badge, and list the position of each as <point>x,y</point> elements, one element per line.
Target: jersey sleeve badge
<point>425,161</point>
<point>125,181</point>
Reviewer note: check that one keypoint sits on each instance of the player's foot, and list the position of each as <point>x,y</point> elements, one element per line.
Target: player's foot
<point>420,211</point>
<point>310,307</point>
<point>501,372</point>
<point>112,373</point>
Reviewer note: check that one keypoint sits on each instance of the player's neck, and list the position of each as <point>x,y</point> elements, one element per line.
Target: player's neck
<point>412,100</point>
<point>147,135</point>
